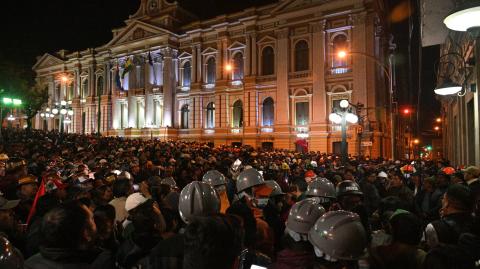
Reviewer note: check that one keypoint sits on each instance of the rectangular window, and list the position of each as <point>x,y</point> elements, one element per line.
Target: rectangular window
<point>301,110</point>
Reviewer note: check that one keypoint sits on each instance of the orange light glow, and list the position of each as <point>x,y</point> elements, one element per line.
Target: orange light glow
<point>436,128</point>
<point>228,67</point>
<point>64,78</point>
<point>416,141</point>
<point>406,111</point>
<point>342,54</point>
<point>438,120</point>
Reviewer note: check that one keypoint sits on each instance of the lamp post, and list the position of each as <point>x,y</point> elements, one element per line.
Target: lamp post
<point>387,70</point>
<point>63,110</point>
<point>341,116</point>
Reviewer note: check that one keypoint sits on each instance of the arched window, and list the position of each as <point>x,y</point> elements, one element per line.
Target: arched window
<point>268,61</point>
<point>187,74</point>
<point>211,69</point>
<point>301,113</point>
<point>84,91</point>
<point>58,90</point>
<point>211,115</point>
<point>268,112</point>
<point>339,43</point>
<point>237,114</point>
<point>238,66</point>
<point>100,85</point>
<point>301,56</point>
<point>184,117</point>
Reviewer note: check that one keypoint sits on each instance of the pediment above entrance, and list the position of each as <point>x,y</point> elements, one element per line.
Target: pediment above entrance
<point>135,31</point>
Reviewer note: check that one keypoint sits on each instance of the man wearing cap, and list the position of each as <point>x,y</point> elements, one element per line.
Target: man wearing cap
<point>471,175</point>
<point>26,190</point>
<point>7,217</point>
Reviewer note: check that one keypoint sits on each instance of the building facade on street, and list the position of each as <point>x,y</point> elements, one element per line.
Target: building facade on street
<point>266,76</point>
<point>461,122</point>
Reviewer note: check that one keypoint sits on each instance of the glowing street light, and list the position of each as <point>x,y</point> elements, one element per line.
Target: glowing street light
<point>342,116</point>
<point>436,128</point>
<point>416,141</point>
<point>228,67</point>
<point>438,119</point>
<point>342,54</point>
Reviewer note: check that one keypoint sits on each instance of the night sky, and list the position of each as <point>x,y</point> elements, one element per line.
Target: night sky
<point>31,28</point>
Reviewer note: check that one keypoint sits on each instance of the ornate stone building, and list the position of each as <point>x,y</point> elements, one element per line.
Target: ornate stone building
<point>265,76</point>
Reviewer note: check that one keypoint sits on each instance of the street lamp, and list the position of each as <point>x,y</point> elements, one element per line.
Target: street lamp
<point>341,116</point>
<point>463,19</point>
<point>387,70</point>
<point>63,110</point>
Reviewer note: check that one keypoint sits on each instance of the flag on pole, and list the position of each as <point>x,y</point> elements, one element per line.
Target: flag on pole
<point>127,67</point>
<point>118,81</point>
<point>40,193</point>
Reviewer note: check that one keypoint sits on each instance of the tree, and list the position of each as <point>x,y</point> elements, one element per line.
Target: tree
<point>16,81</point>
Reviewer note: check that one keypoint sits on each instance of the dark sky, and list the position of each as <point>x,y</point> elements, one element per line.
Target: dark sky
<point>31,28</point>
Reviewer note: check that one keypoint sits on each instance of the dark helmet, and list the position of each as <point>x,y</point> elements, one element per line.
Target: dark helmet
<point>276,189</point>
<point>169,181</point>
<point>338,235</point>
<point>304,214</point>
<point>249,178</point>
<point>198,199</point>
<point>348,187</point>
<point>321,187</point>
<point>214,178</point>
<point>10,257</point>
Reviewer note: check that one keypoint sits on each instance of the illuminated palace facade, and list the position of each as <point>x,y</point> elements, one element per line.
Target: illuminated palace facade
<point>265,76</point>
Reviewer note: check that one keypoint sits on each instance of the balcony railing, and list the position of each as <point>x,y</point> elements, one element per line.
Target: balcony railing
<point>300,74</point>
<point>340,70</point>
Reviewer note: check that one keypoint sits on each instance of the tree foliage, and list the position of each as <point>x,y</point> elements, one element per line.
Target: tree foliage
<point>17,82</point>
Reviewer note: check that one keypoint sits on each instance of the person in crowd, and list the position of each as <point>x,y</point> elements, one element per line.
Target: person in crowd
<point>217,180</point>
<point>344,246</point>
<point>324,190</point>
<point>67,240</point>
<point>252,190</point>
<point>403,251</point>
<point>104,217</point>
<point>456,217</point>
<point>121,189</point>
<point>370,191</point>
<point>471,175</point>
<point>426,203</point>
<point>212,243</point>
<point>148,226</point>
<point>26,190</point>
<point>397,188</point>
<point>298,252</point>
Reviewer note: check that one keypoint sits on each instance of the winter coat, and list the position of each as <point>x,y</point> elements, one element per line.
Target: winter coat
<point>56,258</point>
<point>291,259</point>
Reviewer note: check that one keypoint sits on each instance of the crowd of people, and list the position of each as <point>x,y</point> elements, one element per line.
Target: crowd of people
<point>81,201</point>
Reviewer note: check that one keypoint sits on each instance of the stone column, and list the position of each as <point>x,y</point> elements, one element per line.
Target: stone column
<point>254,54</point>
<point>219,60</point>
<point>282,105</point>
<point>199,66</point>
<point>193,65</point>
<point>318,125</point>
<point>247,56</point>
<point>168,86</point>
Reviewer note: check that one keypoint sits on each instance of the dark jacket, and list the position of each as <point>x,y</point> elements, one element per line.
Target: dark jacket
<point>402,192</point>
<point>135,251</point>
<point>449,228</point>
<point>291,259</point>
<point>371,196</point>
<point>396,256</point>
<point>167,254</point>
<point>458,256</point>
<point>54,258</point>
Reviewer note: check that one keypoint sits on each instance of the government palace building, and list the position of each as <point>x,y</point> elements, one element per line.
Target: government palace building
<point>266,76</point>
